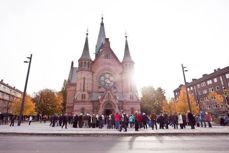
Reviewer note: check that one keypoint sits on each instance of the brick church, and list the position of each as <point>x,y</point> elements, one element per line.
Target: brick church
<point>103,85</point>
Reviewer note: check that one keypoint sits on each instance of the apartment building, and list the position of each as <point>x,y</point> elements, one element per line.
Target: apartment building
<point>8,94</point>
<point>217,81</point>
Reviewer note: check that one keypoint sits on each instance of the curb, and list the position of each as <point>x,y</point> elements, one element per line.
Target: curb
<point>115,134</point>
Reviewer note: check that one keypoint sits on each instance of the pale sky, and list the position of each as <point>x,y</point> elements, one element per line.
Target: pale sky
<point>162,34</point>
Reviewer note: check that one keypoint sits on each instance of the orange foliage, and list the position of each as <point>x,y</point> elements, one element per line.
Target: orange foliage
<point>29,107</point>
<point>169,107</point>
<point>182,102</point>
<point>215,97</point>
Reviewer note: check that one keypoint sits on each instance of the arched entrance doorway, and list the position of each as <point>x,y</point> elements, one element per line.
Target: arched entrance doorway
<point>108,109</point>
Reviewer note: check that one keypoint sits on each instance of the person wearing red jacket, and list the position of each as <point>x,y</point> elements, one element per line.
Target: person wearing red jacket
<point>117,118</point>
<point>137,120</point>
<point>208,119</point>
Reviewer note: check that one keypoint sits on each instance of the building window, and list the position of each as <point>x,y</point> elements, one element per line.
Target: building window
<point>205,91</point>
<point>221,80</point>
<point>211,89</point>
<point>227,75</point>
<point>217,88</point>
<point>215,79</point>
<point>203,84</point>
<point>209,82</point>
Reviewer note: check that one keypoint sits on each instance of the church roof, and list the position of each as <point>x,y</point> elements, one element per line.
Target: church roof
<point>106,47</point>
<point>85,55</point>
<point>72,74</point>
<point>127,57</point>
<point>101,37</point>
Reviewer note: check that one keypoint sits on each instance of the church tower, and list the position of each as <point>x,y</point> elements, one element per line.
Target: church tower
<point>84,77</point>
<point>129,88</point>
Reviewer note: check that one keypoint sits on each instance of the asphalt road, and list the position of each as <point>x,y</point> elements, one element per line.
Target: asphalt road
<point>116,144</point>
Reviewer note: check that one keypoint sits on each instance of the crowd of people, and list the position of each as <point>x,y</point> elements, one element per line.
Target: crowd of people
<point>138,120</point>
<point>123,121</point>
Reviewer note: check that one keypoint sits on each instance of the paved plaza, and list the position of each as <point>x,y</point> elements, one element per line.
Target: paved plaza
<point>37,128</point>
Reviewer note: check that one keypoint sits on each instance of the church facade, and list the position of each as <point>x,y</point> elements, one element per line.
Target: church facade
<point>104,85</point>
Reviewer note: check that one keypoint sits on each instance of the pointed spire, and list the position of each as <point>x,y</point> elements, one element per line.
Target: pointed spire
<point>85,55</point>
<point>101,37</point>
<point>127,57</point>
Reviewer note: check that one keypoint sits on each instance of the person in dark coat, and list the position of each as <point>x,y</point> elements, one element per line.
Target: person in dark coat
<point>124,121</point>
<point>166,121</point>
<point>89,120</point>
<point>100,119</point>
<point>75,121</point>
<point>93,121</point>
<point>184,120</point>
<point>65,121</point>
<point>12,119</point>
<point>112,121</point>
<point>145,120</point>
<point>80,120</point>
<point>60,120</point>
<point>160,120</point>
<point>191,120</point>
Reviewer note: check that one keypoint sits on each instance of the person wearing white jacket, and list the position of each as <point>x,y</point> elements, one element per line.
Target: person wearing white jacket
<point>30,119</point>
<point>180,120</point>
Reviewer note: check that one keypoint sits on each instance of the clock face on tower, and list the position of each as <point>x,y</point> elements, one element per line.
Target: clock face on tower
<point>106,80</point>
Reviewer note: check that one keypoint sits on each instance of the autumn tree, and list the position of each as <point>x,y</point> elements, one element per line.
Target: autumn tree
<point>152,100</point>
<point>214,96</point>
<point>49,102</point>
<point>182,102</point>
<point>29,107</point>
<point>169,106</point>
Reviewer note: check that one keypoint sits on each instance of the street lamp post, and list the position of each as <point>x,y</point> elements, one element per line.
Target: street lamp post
<point>186,87</point>
<point>24,93</point>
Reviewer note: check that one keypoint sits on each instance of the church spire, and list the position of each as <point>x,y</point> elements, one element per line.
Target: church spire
<point>127,57</point>
<point>85,55</point>
<point>101,38</point>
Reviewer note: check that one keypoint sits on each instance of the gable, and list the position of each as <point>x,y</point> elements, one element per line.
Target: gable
<point>106,57</point>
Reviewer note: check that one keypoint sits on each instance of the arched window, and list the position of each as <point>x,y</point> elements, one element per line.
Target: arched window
<point>88,65</point>
<point>82,110</point>
<point>83,83</point>
<point>132,110</point>
<point>83,96</point>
